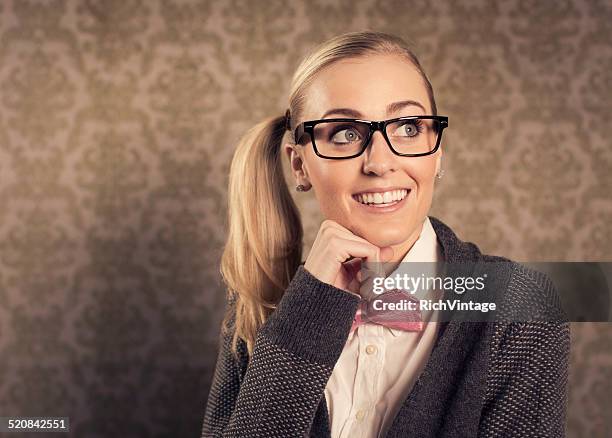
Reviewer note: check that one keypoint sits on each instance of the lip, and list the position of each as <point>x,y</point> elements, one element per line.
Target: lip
<point>381,189</point>
<point>387,209</point>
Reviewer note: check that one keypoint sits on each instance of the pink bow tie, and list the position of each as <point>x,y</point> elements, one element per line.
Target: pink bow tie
<point>407,320</point>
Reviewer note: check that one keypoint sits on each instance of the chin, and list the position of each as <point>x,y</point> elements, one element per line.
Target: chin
<point>389,237</point>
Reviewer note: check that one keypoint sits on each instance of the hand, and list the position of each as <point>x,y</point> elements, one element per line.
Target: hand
<point>337,254</point>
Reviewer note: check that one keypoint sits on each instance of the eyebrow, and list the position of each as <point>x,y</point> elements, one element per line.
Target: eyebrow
<point>391,108</point>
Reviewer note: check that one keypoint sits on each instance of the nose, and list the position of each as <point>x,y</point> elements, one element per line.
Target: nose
<point>379,158</point>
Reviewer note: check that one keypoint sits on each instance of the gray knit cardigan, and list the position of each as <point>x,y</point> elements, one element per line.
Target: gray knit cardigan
<point>486,379</point>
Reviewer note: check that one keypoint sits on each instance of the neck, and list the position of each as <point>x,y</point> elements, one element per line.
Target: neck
<point>400,250</point>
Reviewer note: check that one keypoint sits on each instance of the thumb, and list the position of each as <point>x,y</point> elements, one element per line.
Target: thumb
<point>386,253</point>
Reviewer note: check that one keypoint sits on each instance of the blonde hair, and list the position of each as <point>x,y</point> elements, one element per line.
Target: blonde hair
<point>264,245</point>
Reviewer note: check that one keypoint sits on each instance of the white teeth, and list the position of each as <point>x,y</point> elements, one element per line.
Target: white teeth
<point>382,198</point>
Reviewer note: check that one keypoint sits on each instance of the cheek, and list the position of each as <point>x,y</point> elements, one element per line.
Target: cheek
<point>330,178</point>
<point>422,171</point>
<point>332,182</point>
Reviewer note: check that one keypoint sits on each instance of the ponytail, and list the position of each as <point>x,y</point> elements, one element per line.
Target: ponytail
<point>264,244</point>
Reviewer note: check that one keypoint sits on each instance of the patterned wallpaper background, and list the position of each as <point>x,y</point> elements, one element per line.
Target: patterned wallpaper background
<point>118,120</point>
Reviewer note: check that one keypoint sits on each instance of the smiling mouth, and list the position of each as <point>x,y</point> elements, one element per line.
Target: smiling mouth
<point>381,198</point>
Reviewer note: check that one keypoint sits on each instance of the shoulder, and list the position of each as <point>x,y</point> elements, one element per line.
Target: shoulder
<point>519,290</point>
<point>523,295</point>
<point>529,294</point>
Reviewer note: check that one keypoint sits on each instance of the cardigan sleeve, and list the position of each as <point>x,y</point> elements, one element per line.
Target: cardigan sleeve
<point>526,393</point>
<point>293,357</point>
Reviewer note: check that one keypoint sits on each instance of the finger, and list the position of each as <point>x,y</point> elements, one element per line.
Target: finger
<point>359,276</point>
<point>386,253</point>
<point>362,279</point>
<point>376,266</point>
<point>352,248</point>
<point>346,233</point>
<point>381,254</point>
<point>353,266</point>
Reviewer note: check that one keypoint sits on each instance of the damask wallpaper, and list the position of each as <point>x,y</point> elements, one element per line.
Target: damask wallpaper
<point>118,120</point>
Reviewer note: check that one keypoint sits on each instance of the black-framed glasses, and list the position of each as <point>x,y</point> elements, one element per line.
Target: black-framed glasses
<point>338,139</point>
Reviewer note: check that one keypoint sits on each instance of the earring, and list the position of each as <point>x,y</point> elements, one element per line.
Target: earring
<point>440,174</point>
<point>300,188</point>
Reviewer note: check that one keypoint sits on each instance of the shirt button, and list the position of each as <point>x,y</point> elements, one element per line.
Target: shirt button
<point>371,349</point>
<point>360,414</point>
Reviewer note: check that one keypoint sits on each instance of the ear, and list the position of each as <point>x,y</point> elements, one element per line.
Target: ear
<point>297,164</point>
<point>438,161</point>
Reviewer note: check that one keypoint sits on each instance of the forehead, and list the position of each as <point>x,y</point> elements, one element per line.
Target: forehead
<point>366,84</point>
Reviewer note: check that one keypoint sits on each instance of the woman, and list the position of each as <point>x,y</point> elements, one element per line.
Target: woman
<point>296,359</point>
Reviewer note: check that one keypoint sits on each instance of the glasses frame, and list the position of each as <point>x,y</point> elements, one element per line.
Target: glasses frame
<point>308,127</point>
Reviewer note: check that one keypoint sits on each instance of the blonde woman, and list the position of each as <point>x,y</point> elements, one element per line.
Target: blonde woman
<point>295,357</point>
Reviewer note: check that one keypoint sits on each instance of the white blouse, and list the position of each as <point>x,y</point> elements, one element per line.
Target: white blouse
<point>379,366</point>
